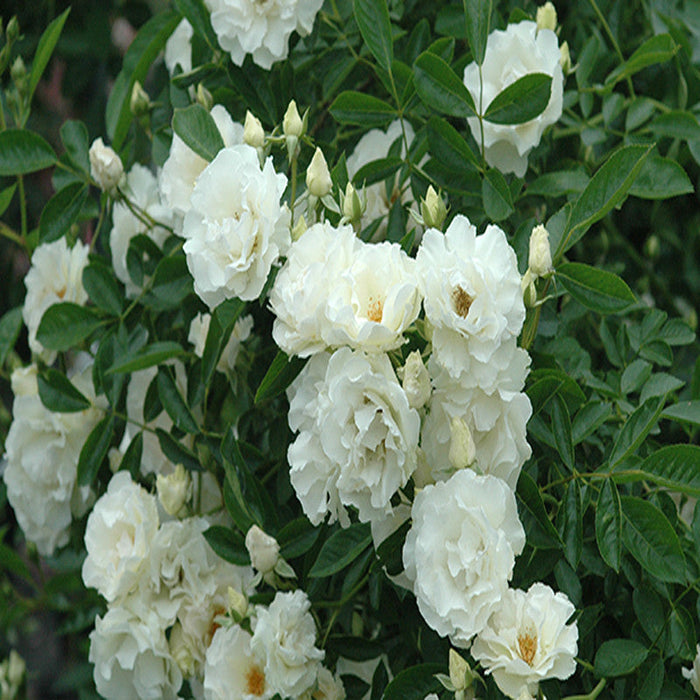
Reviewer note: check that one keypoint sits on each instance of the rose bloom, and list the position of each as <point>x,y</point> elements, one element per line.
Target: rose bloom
<point>693,674</point>
<point>131,655</point>
<point>335,290</point>
<point>142,190</point>
<point>373,145</point>
<point>460,552</point>
<point>236,228</point>
<point>358,436</point>
<point>118,537</point>
<point>55,276</point>
<point>231,670</point>
<point>261,29</point>
<point>472,299</point>
<point>105,166</point>
<point>511,54</point>
<point>528,640</point>
<point>497,423</point>
<point>284,640</point>
<point>183,166</point>
<point>43,449</point>
<point>199,328</point>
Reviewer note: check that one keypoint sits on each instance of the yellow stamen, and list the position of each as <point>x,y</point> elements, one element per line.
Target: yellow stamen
<point>462,301</point>
<point>527,647</point>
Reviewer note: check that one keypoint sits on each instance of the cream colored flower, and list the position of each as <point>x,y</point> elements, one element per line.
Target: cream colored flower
<point>105,166</point>
<point>264,550</point>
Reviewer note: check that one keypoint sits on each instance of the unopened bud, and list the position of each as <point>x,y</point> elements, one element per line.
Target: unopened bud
<point>565,58</point>
<point>462,447</point>
<point>237,603</point>
<point>546,17</point>
<point>299,228</point>
<point>433,209</point>
<point>264,550</point>
<point>140,102</point>
<point>353,205</point>
<point>18,73</point>
<point>652,247</point>
<point>114,457</point>
<point>318,177</point>
<point>12,32</point>
<point>174,490</point>
<point>105,166</point>
<point>527,285</point>
<point>292,124</point>
<point>204,97</point>
<point>461,675</point>
<point>540,256</point>
<point>253,132</point>
<point>416,381</point>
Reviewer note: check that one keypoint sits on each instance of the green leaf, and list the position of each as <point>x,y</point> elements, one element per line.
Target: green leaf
<point>589,419</point>
<point>62,211</point>
<point>652,541</point>
<point>635,429</point>
<point>10,327</point>
<point>606,190</point>
<point>74,135</point>
<point>559,183</point>
<point>297,537</point>
<point>544,534</point>
<point>149,356</point>
<point>6,196</point>
<point>477,16</point>
<point>23,152</point>
<point>94,451</point>
<point>141,54</point>
<point>372,17</point>
<point>571,524</point>
<point>13,562</point>
<point>608,524</point>
<point>675,467</point>
<point>440,88</point>
<point>683,411</point>
<point>197,128</point>
<point>102,287</point>
<point>174,404</point>
<point>377,171</point>
<point>676,125</point>
<point>171,284</point>
<point>59,394</point>
<point>176,452</point>
<point>228,544</point>
<point>131,461</point>
<point>220,328</point>
<point>415,683</point>
<point>279,376</point>
<point>596,289</point>
<point>661,178</point>
<point>364,110</point>
<point>64,326</point>
<point>498,202</point>
<point>341,549</point>
<point>658,49</point>
<point>197,15</point>
<point>44,49</point>
<point>521,101</point>
<point>618,657</point>
<point>561,428</point>
<point>448,146</point>
<point>244,486</point>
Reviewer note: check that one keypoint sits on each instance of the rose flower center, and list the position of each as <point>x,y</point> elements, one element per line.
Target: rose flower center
<point>375,310</point>
<point>462,301</point>
<point>255,681</point>
<point>527,647</point>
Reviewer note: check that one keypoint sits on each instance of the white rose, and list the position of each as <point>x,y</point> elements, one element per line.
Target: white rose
<point>373,145</point>
<point>328,687</point>
<point>55,276</point>
<point>183,166</point>
<point>131,656</point>
<point>119,536</point>
<point>261,29</point>
<point>105,166</point>
<point>174,490</point>
<point>43,449</point>
<point>358,435</point>
<point>540,254</point>
<point>231,670</point>
<point>264,550</point>
<point>527,640</point>
<point>497,423</point>
<point>199,328</point>
<point>693,674</point>
<point>460,552</point>
<point>284,639</point>
<point>473,299</point>
<point>178,48</point>
<point>510,55</point>
<point>236,228</point>
<point>142,190</point>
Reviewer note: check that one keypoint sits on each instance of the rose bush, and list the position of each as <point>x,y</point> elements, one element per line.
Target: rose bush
<point>348,350</point>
